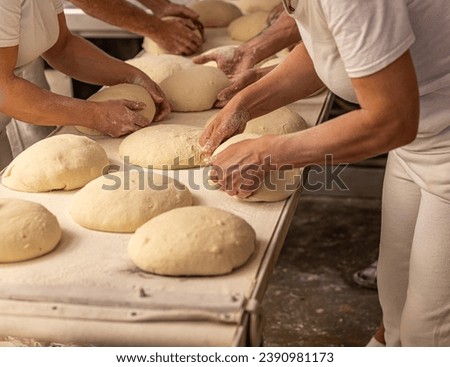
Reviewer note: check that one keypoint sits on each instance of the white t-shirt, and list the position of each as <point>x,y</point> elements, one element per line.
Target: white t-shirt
<point>30,24</point>
<point>356,38</point>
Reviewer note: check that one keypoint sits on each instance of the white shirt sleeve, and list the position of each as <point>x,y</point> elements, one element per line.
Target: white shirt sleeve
<point>10,12</point>
<point>369,34</point>
<point>58,6</point>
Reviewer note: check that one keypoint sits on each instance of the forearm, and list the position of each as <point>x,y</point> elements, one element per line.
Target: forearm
<point>122,14</point>
<point>83,61</point>
<point>281,34</point>
<point>292,80</point>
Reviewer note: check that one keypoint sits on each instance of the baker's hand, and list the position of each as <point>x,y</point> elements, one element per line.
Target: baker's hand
<point>228,122</point>
<point>178,36</point>
<point>238,82</point>
<point>117,117</point>
<point>233,62</point>
<point>240,168</point>
<point>161,103</point>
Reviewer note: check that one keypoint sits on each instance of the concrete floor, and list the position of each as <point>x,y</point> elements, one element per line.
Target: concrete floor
<point>312,300</point>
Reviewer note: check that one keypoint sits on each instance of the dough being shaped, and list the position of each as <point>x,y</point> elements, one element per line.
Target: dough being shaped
<point>160,67</point>
<point>248,26</point>
<point>153,48</point>
<point>279,122</point>
<point>251,6</point>
<point>276,186</point>
<point>165,146</point>
<point>196,240</point>
<point>123,201</point>
<point>60,162</point>
<point>194,89</point>
<point>215,13</point>
<point>132,92</point>
<point>27,230</point>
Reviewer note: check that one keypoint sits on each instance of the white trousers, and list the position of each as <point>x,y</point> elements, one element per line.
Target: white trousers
<point>414,260</point>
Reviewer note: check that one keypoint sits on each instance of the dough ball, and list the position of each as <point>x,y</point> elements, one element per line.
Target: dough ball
<point>196,240</point>
<point>165,146</point>
<point>271,62</point>
<point>248,26</point>
<point>194,89</point>
<point>278,122</point>
<point>160,67</point>
<point>215,13</point>
<point>153,48</point>
<point>123,201</point>
<point>27,230</point>
<point>276,186</point>
<point>61,162</point>
<point>132,92</point>
<point>251,6</point>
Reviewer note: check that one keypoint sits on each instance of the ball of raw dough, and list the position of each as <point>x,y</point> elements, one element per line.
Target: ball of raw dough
<point>123,201</point>
<point>215,13</point>
<point>165,146</point>
<point>160,67</point>
<point>248,26</point>
<point>251,6</point>
<point>194,89</point>
<point>226,51</point>
<point>279,122</point>
<point>153,48</point>
<point>132,92</point>
<point>194,240</point>
<point>276,186</point>
<point>61,162</point>
<point>27,230</point>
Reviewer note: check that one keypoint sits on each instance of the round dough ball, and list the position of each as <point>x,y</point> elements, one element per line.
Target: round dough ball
<point>123,201</point>
<point>276,186</point>
<point>167,146</point>
<point>248,26</point>
<point>132,92</point>
<point>153,48</point>
<point>27,230</point>
<point>160,67</point>
<point>251,6</point>
<point>196,240</point>
<point>215,13</point>
<point>194,89</point>
<point>60,162</point>
<point>279,122</point>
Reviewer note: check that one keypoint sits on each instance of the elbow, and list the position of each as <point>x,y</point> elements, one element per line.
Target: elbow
<point>404,130</point>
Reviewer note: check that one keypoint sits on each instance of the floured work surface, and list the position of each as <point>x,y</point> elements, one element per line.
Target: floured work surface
<point>88,292</point>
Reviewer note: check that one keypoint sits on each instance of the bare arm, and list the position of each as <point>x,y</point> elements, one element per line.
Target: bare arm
<point>281,34</point>
<point>177,36</point>
<point>388,119</point>
<point>27,102</point>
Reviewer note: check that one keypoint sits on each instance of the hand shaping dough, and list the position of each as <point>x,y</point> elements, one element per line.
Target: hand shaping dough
<point>248,26</point>
<point>153,48</point>
<point>27,230</point>
<point>276,186</point>
<point>160,67</point>
<point>215,13</point>
<point>279,122</point>
<point>123,201</point>
<point>226,51</point>
<point>251,6</point>
<point>166,146</point>
<point>61,162</point>
<point>196,240</point>
<point>194,89</point>
<point>132,92</point>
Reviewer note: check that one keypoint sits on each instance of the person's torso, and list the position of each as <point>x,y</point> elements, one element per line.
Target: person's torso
<point>30,24</point>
